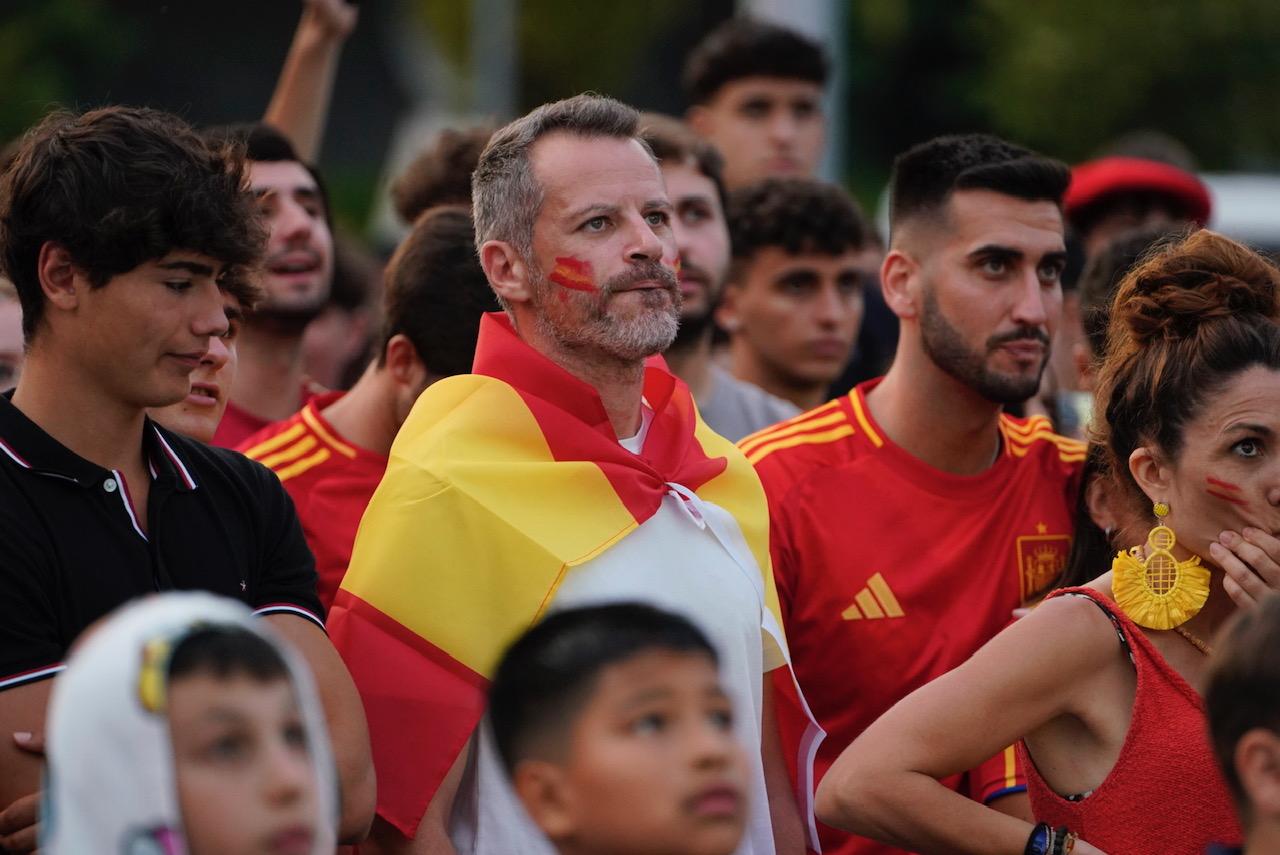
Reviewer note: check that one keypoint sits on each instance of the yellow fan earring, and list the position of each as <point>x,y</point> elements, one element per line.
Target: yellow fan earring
<point>1158,591</point>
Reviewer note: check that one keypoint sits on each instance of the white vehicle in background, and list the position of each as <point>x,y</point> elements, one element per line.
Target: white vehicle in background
<point>1246,207</point>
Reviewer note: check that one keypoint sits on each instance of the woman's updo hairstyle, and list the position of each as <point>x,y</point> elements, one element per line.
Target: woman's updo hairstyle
<point>1194,312</point>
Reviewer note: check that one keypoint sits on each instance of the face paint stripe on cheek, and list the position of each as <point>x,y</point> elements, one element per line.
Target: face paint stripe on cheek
<point>1221,490</point>
<point>573,273</point>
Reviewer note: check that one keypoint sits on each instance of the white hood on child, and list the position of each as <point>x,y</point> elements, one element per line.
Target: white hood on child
<point>110,781</point>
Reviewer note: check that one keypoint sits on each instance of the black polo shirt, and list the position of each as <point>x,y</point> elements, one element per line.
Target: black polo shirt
<point>71,549</point>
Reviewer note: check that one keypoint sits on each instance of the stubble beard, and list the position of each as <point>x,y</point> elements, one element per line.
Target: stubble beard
<point>630,339</point>
<point>944,345</point>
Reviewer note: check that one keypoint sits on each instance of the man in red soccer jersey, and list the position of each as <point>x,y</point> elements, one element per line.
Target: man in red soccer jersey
<point>331,454</point>
<point>910,518</point>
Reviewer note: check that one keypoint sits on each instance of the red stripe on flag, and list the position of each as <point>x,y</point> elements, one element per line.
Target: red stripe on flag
<point>421,703</point>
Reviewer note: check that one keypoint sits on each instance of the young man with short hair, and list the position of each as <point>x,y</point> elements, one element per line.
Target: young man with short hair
<point>298,273</point>
<point>691,170</point>
<point>794,300</point>
<point>617,735</point>
<point>331,454</point>
<point>911,517</point>
<point>755,93</point>
<point>121,230</point>
<point>568,469</point>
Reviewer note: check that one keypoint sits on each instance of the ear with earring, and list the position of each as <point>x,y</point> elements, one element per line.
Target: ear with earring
<point>1156,590</point>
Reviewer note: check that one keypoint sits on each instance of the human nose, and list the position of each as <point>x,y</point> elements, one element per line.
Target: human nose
<point>293,221</point>
<point>1031,305</point>
<point>211,316</point>
<point>713,747</point>
<point>218,353</point>
<point>287,775</point>
<point>645,243</point>
<point>782,128</point>
<point>830,307</point>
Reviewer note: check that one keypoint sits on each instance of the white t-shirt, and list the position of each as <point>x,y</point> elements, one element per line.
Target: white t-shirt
<point>690,558</point>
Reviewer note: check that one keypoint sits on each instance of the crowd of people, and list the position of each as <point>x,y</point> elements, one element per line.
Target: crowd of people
<point>647,500</point>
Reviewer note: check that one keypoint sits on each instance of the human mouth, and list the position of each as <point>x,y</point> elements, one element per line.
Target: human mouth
<point>190,360</point>
<point>715,802</point>
<point>293,263</point>
<point>204,394</point>
<point>295,840</point>
<point>1024,350</point>
<point>829,348</point>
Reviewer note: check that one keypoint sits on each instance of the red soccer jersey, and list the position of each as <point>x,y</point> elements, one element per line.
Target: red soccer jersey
<point>330,481</point>
<point>238,425</point>
<point>891,572</point>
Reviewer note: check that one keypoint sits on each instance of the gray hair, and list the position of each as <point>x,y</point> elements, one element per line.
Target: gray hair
<point>506,197</point>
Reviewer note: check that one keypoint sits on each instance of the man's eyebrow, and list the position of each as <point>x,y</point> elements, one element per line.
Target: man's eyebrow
<point>192,267</point>
<point>309,191</point>
<point>598,209</point>
<point>995,250</point>
<point>661,204</point>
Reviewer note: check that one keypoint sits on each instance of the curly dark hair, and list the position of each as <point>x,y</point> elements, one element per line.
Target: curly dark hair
<point>747,47</point>
<point>924,177</point>
<point>120,186</point>
<point>436,291</point>
<point>800,215</point>
<point>441,173</point>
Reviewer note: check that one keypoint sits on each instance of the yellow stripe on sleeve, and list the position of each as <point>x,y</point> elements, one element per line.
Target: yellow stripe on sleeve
<point>281,439</point>
<point>290,454</point>
<point>319,430</point>
<point>805,417</point>
<point>296,469</point>
<point>819,438</point>
<point>749,446</point>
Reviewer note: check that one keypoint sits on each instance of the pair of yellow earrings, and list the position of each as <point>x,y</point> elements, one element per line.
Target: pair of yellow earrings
<point>1157,590</point>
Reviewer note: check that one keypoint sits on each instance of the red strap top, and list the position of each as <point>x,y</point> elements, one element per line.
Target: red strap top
<point>1165,793</point>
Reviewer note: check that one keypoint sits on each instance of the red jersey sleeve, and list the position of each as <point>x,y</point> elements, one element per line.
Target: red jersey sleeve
<point>1000,776</point>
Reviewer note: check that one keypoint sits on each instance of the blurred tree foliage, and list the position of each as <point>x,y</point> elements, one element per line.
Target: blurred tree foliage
<point>47,47</point>
<point>566,46</point>
<point>1064,76</point>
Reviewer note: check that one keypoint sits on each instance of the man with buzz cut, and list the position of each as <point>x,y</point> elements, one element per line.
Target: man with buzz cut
<point>123,233</point>
<point>755,92</point>
<point>569,469</point>
<point>911,517</point>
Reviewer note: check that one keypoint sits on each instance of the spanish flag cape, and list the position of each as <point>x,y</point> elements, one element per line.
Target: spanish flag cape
<point>498,483</point>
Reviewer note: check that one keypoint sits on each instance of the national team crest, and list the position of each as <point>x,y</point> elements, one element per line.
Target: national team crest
<point>1041,557</point>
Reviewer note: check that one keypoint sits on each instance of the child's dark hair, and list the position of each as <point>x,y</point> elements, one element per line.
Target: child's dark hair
<point>747,47</point>
<point>1102,275</point>
<point>547,674</point>
<point>1243,684</point>
<point>924,177</point>
<point>118,187</point>
<point>226,650</point>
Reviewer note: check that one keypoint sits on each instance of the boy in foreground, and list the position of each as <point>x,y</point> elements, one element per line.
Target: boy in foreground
<point>618,736</point>
<point>1243,701</point>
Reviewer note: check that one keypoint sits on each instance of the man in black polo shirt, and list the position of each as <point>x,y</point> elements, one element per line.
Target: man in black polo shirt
<point>121,230</point>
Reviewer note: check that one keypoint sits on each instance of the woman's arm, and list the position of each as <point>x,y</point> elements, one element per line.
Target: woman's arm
<point>885,784</point>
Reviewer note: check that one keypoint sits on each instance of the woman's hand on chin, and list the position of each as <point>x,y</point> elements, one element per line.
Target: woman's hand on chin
<point>1250,559</point>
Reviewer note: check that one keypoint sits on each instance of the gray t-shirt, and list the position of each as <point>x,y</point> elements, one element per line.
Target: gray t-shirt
<point>735,408</point>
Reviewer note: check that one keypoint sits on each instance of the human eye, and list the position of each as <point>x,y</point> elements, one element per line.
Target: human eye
<point>178,286</point>
<point>228,747</point>
<point>657,219</point>
<point>1051,272</point>
<point>994,265</point>
<point>756,108</point>
<point>721,718</point>
<point>649,724</point>
<point>694,215</point>
<point>596,224</point>
<point>804,109</point>
<point>295,735</point>
<point>1247,448</point>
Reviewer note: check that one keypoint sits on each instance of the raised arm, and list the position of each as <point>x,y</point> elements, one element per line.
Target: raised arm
<point>885,784</point>
<point>300,103</point>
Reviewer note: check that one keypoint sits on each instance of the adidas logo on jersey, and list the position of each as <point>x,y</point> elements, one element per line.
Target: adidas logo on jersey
<point>874,601</point>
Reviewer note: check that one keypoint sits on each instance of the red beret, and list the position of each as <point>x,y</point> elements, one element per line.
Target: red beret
<point>1097,179</point>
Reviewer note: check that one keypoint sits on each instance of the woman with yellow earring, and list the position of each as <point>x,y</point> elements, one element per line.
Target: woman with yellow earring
<point>1100,685</point>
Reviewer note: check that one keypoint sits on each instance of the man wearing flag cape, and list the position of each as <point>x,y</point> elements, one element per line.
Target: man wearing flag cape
<point>570,468</point>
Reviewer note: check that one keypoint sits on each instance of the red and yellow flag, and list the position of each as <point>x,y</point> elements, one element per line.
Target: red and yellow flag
<point>498,483</point>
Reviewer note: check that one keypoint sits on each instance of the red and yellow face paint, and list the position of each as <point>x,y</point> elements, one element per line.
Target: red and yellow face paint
<point>574,274</point>
<point>1224,490</point>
